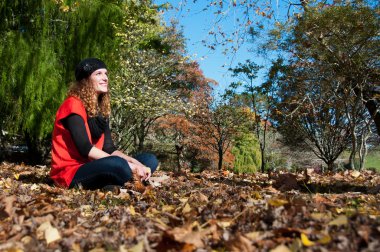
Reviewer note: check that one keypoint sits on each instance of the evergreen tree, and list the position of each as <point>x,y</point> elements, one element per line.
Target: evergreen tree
<point>41,42</point>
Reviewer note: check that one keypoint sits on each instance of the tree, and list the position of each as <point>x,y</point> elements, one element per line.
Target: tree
<point>177,129</point>
<point>330,51</point>
<point>145,88</point>
<point>41,41</point>
<point>257,98</point>
<point>217,126</point>
<point>307,109</point>
<point>245,151</point>
<point>345,38</point>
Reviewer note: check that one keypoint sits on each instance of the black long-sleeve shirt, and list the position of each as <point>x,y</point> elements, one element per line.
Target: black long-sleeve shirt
<point>75,124</point>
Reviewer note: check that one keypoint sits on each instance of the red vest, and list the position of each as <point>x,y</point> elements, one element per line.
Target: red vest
<point>66,159</point>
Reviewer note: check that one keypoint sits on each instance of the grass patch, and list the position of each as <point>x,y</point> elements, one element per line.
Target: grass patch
<point>373,160</point>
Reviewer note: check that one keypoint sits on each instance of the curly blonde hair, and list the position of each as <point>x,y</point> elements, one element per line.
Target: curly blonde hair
<point>85,91</point>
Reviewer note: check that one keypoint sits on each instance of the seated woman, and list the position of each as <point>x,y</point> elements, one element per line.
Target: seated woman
<point>83,153</point>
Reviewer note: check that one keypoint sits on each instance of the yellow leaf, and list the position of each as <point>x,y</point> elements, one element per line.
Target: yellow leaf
<point>186,208</point>
<point>254,236</point>
<point>16,175</point>
<point>183,200</point>
<point>339,210</point>
<point>256,195</point>
<point>132,210</point>
<point>339,221</point>
<point>168,208</point>
<point>305,240</point>
<point>225,224</point>
<point>277,202</point>
<point>64,8</point>
<point>321,216</point>
<point>325,239</point>
<point>355,174</point>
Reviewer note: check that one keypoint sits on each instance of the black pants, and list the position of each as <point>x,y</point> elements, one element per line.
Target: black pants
<point>111,170</point>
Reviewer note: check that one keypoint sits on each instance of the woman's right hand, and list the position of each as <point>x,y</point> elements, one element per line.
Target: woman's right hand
<point>140,170</point>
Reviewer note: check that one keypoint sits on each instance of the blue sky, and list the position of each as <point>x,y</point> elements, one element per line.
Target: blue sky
<point>196,24</point>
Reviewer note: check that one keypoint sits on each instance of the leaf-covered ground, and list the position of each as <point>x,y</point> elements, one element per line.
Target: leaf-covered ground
<point>192,212</point>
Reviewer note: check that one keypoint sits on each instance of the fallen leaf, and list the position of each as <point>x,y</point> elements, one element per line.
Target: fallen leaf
<point>132,210</point>
<point>325,239</point>
<point>355,174</point>
<point>339,221</point>
<point>86,211</point>
<point>305,240</point>
<point>187,235</point>
<point>186,208</point>
<point>198,197</point>
<point>281,248</point>
<point>296,245</point>
<point>168,208</point>
<point>321,216</point>
<point>139,247</point>
<point>240,244</point>
<point>52,235</point>
<point>157,181</point>
<point>277,202</point>
<point>8,202</point>
<point>254,236</point>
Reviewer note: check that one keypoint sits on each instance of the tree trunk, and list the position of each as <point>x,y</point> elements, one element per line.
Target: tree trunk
<point>141,138</point>
<point>373,110</point>
<point>362,154</point>
<point>363,145</point>
<point>330,166</point>
<point>220,161</point>
<point>351,163</point>
<point>262,158</point>
<point>178,149</point>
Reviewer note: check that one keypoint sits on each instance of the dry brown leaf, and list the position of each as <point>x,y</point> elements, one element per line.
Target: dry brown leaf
<point>8,202</point>
<point>198,197</point>
<point>157,181</point>
<point>186,235</point>
<point>240,244</point>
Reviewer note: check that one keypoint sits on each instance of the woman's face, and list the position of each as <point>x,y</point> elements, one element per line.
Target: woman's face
<point>99,79</point>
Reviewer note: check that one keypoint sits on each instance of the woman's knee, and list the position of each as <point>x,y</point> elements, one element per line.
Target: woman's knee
<point>120,166</point>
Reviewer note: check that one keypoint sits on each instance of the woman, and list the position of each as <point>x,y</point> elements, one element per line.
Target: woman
<point>83,153</point>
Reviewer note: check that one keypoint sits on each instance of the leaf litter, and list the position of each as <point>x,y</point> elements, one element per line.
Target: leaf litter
<point>208,211</point>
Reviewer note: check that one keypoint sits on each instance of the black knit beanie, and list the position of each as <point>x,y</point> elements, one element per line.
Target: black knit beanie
<point>87,66</point>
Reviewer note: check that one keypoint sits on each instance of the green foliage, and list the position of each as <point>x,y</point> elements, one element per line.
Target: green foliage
<point>143,89</point>
<point>41,42</point>
<point>247,153</point>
